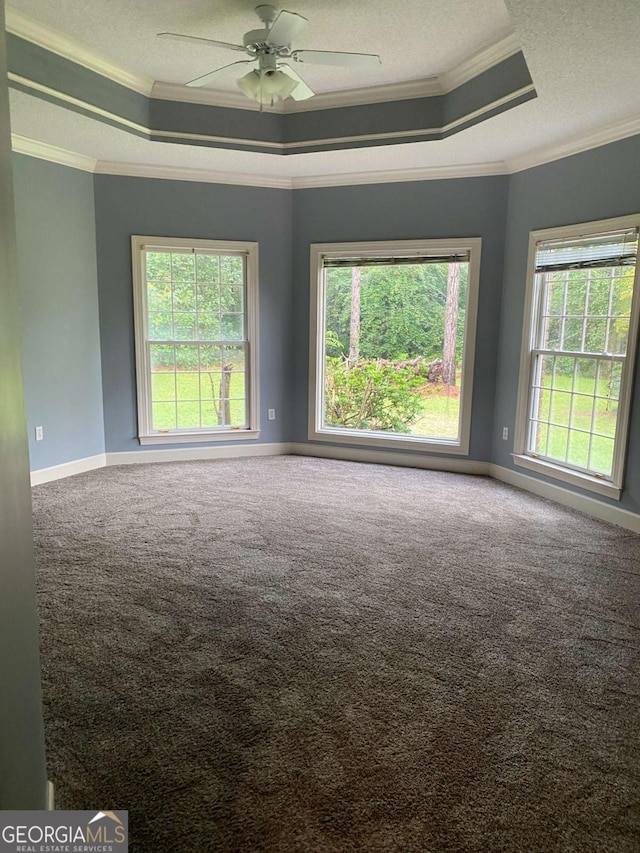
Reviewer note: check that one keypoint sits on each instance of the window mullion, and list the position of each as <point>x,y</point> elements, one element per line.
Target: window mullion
<point>576,354</point>
<point>609,307</point>
<point>586,312</point>
<point>564,308</point>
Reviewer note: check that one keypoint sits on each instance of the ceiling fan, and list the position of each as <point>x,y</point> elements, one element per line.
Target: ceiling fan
<point>270,47</point>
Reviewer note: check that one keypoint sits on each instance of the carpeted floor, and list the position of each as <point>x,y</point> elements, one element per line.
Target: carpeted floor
<point>289,654</point>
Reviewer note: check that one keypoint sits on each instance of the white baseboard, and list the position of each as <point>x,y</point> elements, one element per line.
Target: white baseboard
<point>50,799</point>
<point>590,506</point>
<point>184,454</point>
<point>68,469</point>
<point>386,457</point>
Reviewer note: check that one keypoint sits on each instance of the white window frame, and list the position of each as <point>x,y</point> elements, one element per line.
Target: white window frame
<point>146,434</point>
<point>318,432</point>
<point>611,488</point>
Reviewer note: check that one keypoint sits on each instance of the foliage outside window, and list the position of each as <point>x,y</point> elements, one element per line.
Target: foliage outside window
<point>392,328</point>
<point>582,330</point>
<point>195,339</point>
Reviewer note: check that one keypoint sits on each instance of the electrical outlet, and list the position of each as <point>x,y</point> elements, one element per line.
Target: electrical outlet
<point>39,433</point>
<point>271,413</point>
<point>505,433</point>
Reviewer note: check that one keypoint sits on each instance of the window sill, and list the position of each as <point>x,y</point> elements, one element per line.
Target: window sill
<point>575,478</point>
<point>395,441</point>
<point>193,437</point>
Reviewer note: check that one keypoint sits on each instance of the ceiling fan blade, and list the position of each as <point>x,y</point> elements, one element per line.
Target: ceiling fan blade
<point>302,90</point>
<point>332,57</point>
<point>207,78</point>
<point>285,28</point>
<point>210,42</point>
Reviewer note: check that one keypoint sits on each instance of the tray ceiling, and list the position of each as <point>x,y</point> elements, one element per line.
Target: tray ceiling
<point>581,54</point>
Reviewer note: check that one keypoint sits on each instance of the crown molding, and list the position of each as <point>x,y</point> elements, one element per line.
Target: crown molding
<point>178,173</point>
<point>368,95</point>
<point>45,37</point>
<point>408,90</point>
<point>512,96</point>
<point>261,144</point>
<point>428,173</point>
<point>207,97</point>
<point>61,45</point>
<point>603,136</point>
<point>44,151</point>
<point>322,101</point>
<point>479,62</point>
<point>84,105</point>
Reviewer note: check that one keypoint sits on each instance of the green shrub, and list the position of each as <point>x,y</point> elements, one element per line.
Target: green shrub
<point>371,395</point>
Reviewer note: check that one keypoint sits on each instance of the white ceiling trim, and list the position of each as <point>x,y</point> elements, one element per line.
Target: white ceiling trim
<point>259,143</point>
<point>49,39</point>
<point>429,173</point>
<point>324,101</point>
<point>207,97</point>
<point>69,99</point>
<point>43,151</point>
<point>231,140</point>
<point>177,173</point>
<point>479,62</point>
<point>603,136</point>
<point>369,137</point>
<point>512,96</point>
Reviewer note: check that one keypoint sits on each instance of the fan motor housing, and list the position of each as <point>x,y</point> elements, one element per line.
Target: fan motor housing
<point>255,39</point>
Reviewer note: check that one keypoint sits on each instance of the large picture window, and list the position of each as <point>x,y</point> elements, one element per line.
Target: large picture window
<point>195,318</point>
<point>392,340</point>
<point>579,354</point>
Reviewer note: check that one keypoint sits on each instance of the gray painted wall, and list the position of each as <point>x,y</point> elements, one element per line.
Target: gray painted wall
<point>22,777</point>
<point>598,184</point>
<point>59,306</point>
<point>76,88</point>
<point>126,206</point>
<point>471,207</point>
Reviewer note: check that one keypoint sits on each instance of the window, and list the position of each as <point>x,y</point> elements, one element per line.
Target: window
<point>578,353</point>
<point>392,343</point>
<point>195,305</point>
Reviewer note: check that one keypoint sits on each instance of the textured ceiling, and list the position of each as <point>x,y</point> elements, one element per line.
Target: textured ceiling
<point>582,54</point>
<point>413,37</point>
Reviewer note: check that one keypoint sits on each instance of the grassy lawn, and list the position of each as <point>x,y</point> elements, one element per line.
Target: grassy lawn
<point>570,409</point>
<point>191,400</point>
<point>568,405</point>
<point>440,413</point>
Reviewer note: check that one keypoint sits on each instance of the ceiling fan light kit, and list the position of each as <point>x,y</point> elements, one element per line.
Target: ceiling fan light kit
<point>267,87</point>
<point>274,79</point>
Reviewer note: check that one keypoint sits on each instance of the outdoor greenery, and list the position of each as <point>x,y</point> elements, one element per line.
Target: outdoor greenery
<point>402,311</point>
<point>569,406</point>
<point>195,301</point>
<point>370,395</point>
<point>584,311</point>
<point>386,375</point>
<point>191,400</point>
<point>588,310</point>
<point>193,297</point>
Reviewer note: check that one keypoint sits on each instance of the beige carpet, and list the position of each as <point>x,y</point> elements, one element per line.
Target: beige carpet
<point>289,654</point>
